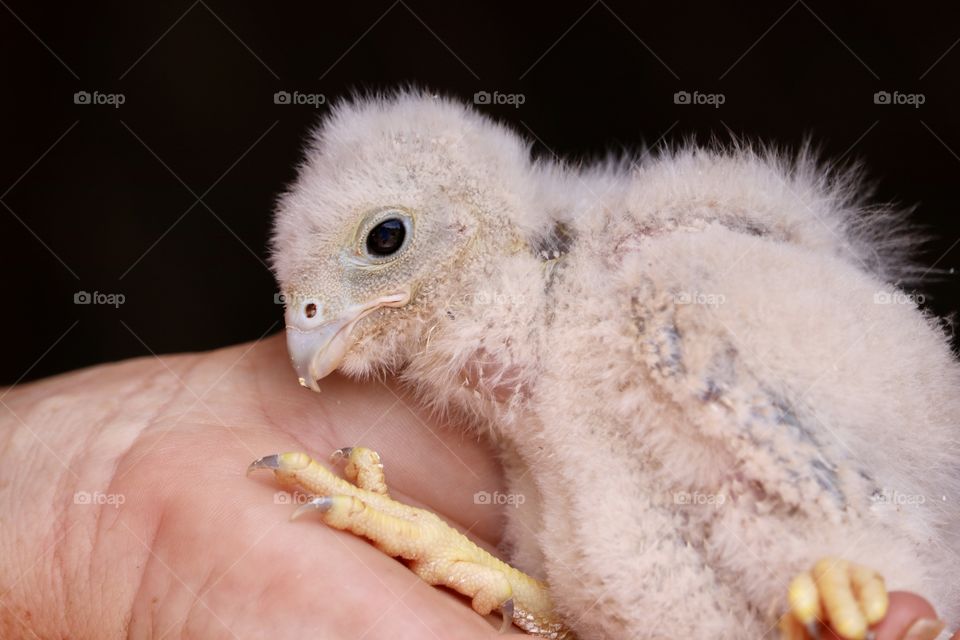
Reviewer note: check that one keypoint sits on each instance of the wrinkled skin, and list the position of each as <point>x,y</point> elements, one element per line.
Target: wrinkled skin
<point>198,550</point>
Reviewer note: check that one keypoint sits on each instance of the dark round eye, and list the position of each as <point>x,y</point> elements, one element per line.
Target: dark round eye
<point>386,238</point>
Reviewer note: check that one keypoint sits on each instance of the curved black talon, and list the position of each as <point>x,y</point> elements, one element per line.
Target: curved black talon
<point>506,610</point>
<point>320,503</point>
<point>271,462</point>
<point>341,454</point>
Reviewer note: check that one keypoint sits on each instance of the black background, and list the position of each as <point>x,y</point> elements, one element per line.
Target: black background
<point>105,199</point>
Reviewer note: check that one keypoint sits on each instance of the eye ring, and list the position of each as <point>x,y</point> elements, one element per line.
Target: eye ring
<point>385,235</point>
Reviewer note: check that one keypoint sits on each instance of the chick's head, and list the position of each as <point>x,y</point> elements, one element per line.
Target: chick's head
<point>401,205</point>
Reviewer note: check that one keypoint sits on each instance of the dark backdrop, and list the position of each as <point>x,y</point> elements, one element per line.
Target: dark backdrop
<point>166,199</point>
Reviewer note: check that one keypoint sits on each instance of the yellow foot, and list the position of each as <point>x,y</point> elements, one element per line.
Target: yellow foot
<point>436,552</point>
<point>842,596</point>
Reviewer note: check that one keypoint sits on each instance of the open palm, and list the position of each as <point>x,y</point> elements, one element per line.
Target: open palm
<point>140,468</point>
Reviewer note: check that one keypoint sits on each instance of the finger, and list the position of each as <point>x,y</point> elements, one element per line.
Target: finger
<point>905,609</point>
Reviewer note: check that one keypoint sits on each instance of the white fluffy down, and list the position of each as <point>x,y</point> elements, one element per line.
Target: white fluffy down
<point>696,363</point>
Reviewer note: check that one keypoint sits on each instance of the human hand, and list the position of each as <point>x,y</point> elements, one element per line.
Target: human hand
<point>182,544</point>
<point>127,512</point>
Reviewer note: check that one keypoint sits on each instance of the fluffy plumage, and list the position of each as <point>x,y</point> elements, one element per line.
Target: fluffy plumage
<point>697,367</point>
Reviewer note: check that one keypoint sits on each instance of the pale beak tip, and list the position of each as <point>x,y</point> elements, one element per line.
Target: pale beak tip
<point>309,384</point>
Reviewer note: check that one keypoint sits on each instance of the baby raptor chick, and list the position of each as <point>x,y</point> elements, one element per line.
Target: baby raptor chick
<point>697,370</point>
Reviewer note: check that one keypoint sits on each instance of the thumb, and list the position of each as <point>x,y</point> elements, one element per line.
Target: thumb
<point>910,617</point>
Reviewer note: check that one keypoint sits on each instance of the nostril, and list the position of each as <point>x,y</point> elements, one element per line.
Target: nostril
<point>310,310</point>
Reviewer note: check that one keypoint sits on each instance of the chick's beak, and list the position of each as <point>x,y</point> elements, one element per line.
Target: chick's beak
<point>316,351</point>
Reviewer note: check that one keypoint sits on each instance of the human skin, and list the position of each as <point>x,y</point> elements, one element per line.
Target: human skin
<point>182,544</point>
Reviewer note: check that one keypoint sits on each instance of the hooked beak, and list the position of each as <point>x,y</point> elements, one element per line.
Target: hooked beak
<point>317,352</point>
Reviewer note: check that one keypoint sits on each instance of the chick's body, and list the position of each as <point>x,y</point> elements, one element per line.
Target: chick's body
<point>690,363</point>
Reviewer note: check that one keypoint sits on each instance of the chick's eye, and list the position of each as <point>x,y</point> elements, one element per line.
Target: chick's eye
<point>386,238</point>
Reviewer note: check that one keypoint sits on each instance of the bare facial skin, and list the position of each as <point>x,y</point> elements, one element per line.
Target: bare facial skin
<point>185,546</point>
